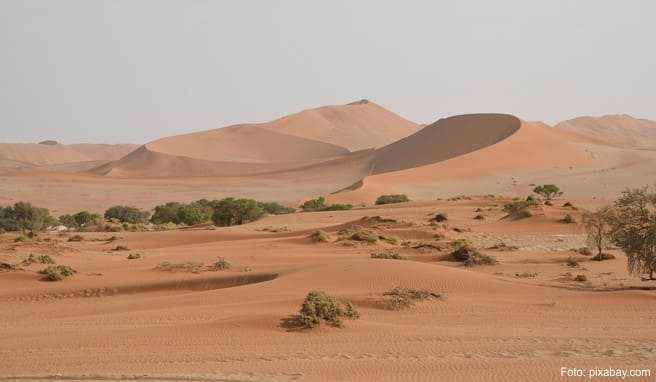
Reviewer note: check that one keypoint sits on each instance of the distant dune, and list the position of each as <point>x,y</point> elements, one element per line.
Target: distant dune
<point>48,153</point>
<point>619,130</point>
<point>296,141</point>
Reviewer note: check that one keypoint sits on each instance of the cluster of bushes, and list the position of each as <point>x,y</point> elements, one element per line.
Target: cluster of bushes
<point>319,204</point>
<point>24,216</point>
<point>80,219</point>
<point>393,198</point>
<point>127,214</point>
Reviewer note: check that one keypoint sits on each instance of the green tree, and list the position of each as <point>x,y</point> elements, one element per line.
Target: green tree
<point>25,217</point>
<point>193,213</point>
<point>548,191</point>
<point>598,229</point>
<point>126,214</point>
<point>231,211</point>
<point>633,229</point>
<point>166,213</point>
<point>318,204</point>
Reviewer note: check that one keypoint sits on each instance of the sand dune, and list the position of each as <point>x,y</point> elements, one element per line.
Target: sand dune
<point>356,126</point>
<point>51,153</point>
<point>620,130</point>
<point>444,139</point>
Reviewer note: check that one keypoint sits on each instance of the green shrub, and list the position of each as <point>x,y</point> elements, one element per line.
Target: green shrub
<point>57,272</point>
<point>166,213</point>
<point>319,236</point>
<point>193,213</point>
<point>338,207</point>
<point>231,211</point>
<point>317,204</point>
<point>319,306</point>
<point>24,216</point>
<point>274,208</point>
<point>393,198</point>
<point>126,214</point>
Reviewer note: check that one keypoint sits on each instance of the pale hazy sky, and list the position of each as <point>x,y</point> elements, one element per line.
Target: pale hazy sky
<point>132,70</point>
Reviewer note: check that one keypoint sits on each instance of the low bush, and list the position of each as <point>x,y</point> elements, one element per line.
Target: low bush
<point>319,236</point>
<point>580,278</point>
<point>191,267</point>
<point>602,257</point>
<point>41,259</point>
<point>401,298</point>
<point>57,272</point>
<point>21,238</point>
<point>318,307</point>
<point>220,265</point>
<point>134,256</point>
<point>519,209</point>
<point>464,252</point>
<point>358,233</point>
<point>388,255</point>
<point>479,217</point>
<point>274,208</point>
<point>392,198</point>
<point>319,204</point>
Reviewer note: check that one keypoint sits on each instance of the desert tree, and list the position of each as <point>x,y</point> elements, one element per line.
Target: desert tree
<point>548,191</point>
<point>598,229</point>
<point>633,229</point>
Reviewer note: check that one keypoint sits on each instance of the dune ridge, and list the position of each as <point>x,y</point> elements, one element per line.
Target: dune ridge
<point>619,130</point>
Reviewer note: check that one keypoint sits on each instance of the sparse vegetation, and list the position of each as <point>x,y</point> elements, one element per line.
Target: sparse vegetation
<point>401,298</point>
<point>134,256</point>
<point>121,248</point>
<point>526,275</point>
<point>57,272</point>
<point>464,252</point>
<point>274,208</point>
<point>358,233</point>
<point>479,217</point>
<point>518,209</point>
<point>80,219</point>
<point>503,247</point>
<point>580,278</point>
<point>388,255</point>
<point>318,307</point>
<point>319,236</point>
<point>220,265</point>
<point>393,198</point>
<point>548,191</point>
<point>191,267</point>
<point>319,204</point>
<point>41,259</point>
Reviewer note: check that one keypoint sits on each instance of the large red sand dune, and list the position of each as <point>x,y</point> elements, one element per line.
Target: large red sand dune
<point>26,155</point>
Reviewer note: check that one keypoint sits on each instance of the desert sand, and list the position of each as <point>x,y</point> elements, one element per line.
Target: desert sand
<point>519,320</point>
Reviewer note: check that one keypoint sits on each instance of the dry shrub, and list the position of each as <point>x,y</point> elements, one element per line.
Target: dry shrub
<point>319,236</point>
<point>57,272</point>
<point>401,298</point>
<point>318,306</point>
